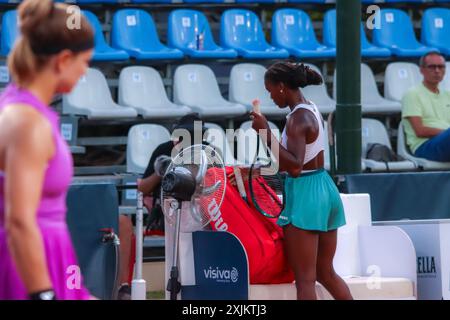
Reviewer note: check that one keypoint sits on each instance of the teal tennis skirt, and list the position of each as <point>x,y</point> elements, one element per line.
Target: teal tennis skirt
<point>312,202</point>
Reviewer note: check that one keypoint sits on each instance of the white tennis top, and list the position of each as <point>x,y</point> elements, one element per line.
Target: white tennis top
<point>313,148</point>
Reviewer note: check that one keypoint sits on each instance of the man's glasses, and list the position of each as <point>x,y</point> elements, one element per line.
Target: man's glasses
<point>435,66</point>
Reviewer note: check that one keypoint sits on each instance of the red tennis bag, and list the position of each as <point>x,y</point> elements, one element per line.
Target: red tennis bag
<point>261,237</point>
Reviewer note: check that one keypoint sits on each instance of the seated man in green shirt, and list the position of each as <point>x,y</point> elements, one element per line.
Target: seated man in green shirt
<point>427,111</point>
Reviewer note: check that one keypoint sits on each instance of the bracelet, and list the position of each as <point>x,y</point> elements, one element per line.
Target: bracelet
<point>48,294</point>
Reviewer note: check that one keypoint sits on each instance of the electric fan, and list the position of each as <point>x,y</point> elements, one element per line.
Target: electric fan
<point>193,188</point>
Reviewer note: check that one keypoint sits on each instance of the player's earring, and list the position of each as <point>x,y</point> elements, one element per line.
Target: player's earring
<point>281,91</point>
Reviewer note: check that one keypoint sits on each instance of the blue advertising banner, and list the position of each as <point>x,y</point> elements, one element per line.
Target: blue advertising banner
<point>220,264</point>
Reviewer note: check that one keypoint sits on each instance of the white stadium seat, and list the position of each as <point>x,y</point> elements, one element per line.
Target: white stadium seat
<point>143,139</point>
<point>319,95</point>
<point>196,86</point>
<point>327,154</point>
<point>373,131</point>
<point>142,88</point>
<point>446,82</point>
<point>217,138</point>
<point>371,100</point>
<point>92,98</point>
<point>247,83</point>
<point>403,150</point>
<point>246,142</point>
<point>400,77</point>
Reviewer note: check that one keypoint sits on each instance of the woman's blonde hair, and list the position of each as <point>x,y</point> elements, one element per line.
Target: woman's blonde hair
<point>45,32</point>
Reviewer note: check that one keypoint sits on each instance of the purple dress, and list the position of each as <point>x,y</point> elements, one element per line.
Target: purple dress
<point>51,216</point>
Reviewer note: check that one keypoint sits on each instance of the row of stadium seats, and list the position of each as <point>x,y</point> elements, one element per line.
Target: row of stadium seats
<point>245,1</point>
<point>143,139</point>
<point>134,35</point>
<point>227,1</point>
<point>404,1</point>
<point>186,1</point>
<point>141,92</point>
<point>395,33</point>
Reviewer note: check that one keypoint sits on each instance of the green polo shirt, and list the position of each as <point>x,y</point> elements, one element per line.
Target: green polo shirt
<point>433,108</point>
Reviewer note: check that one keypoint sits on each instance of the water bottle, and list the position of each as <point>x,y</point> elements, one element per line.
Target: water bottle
<point>200,41</point>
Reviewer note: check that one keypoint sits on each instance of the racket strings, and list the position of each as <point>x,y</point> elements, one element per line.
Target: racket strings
<point>267,193</point>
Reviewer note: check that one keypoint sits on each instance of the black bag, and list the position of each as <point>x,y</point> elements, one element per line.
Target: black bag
<point>382,153</point>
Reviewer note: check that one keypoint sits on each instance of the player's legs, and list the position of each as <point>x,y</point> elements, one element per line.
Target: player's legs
<point>325,271</point>
<point>301,249</point>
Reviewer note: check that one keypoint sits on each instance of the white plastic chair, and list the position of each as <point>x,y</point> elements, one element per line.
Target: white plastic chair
<point>319,95</point>
<point>400,77</point>
<point>247,141</point>
<point>92,98</point>
<point>327,151</point>
<point>143,139</point>
<point>247,83</point>
<point>142,89</point>
<point>403,150</point>
<point>373,131</point>
<point>371,100</point>
<point>196,86</point>
<point>445,85</point>
<point>217,138</point>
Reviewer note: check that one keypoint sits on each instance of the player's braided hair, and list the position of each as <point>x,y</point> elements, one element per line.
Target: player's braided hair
<point>294,75</point>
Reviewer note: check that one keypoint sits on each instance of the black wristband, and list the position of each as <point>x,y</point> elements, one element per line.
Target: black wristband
<point>48,294</point>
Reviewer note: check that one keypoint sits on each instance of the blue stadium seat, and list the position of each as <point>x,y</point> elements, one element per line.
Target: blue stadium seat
<point>203,1</point>
<point>308,1</point>
<point>151,1</point>
<point>436,29</point>
<point>402,1</point>
<point>396,1</point>
<point>89,1</point>
<point>185,26</point>
<point>102,51</point>
<point>397,34</point>
<point>292,30</point>
<point>96,1</point>
<point>367,49</point>
<point>10,32</point>
<point>255,1</point>
<point>241,30</point>
<point>75,1</point>
<point>135,32</point>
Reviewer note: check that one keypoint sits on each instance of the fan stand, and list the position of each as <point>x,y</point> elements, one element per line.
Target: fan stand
<point>138,285</point>
<point>173,285</point>
<point>181,184</point>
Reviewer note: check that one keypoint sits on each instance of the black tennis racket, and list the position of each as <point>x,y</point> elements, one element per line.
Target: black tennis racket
<point>266,185</point>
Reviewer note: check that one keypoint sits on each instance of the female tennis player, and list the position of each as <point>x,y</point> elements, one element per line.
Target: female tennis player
<point>313,210</point>
<point>37,259</point>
